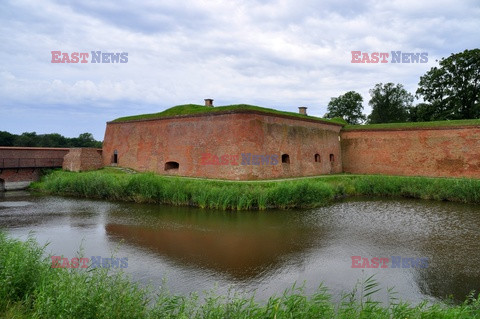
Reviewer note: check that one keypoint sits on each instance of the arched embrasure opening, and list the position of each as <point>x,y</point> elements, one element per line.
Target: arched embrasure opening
<point>2,185</point>
<point>285,159</point>
<point>171,165</point>
<point>332,158</point>
<point>317,158</point>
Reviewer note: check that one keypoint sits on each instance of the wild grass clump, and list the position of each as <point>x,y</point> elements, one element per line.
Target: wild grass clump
<point>31,288</point>
<point>96,184</point>
<point>72,293</point>
<point>21,268</point>
<point>304,193</point>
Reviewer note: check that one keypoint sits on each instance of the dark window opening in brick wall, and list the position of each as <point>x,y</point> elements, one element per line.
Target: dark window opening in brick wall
<point>171,165</point>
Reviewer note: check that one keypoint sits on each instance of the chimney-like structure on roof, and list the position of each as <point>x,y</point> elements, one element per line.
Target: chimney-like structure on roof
<point>302,110</point>
<point>209,102</point>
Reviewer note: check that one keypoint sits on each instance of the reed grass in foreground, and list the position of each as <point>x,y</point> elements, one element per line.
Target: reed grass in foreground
<point>30,288</point>
<point>232,195</point>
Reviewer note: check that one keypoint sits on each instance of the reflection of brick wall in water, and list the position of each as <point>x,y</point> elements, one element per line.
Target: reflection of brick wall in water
<point>436,152</point>
<point>175,145</point>
<point>20,175</point>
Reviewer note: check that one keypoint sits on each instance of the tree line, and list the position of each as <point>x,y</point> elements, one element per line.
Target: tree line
<point>450,91</point>
<point>31,139</point>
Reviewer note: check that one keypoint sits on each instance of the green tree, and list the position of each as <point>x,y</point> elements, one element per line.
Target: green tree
<point>390,103</point>
<point>425,112</point>
<point>47,140</point>
<point>85,140</point>
<point>7,139</point>
<point>348,106</point>
<point>27,139</point>
<point>53,140</point>
<point>453,88</point>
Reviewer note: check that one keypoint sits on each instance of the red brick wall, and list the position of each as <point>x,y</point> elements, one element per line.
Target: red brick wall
<point>83,159</point>
<point>148,145</point>
<point>449,152</point>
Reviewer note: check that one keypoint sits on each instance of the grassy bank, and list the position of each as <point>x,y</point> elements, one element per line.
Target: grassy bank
<point>30,288</point>
<point>412,125</point>
<point>229,195</point>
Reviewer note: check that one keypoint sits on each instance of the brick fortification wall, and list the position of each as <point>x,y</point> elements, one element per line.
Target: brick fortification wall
<point>83,159</point>
<point>194,142</point>
<point>436,152</point>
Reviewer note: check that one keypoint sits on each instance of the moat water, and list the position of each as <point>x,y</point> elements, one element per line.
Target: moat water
<point>266,252</point>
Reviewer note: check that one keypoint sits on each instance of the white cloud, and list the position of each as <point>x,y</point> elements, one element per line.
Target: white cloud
<point>277,53</point>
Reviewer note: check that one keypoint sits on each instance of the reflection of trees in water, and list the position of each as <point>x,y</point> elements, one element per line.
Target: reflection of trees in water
<point>455,255</point>
<point>50,211</point>
<point>446,283</point>
<point>452,272</point>
<point>240,246</point>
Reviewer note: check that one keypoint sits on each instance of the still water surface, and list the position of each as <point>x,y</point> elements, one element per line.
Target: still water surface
<point>266,252</point>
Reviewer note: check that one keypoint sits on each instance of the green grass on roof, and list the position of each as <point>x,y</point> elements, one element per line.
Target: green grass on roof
<point>412,125</point>
<point>188,109</point>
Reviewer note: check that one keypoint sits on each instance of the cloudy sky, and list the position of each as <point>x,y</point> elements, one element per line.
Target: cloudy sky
<point>273,53</point>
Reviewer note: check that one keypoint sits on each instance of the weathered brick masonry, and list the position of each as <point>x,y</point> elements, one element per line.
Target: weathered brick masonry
<point>21,165</point>
<point>312,146</point>
<point>82,159</point>
<point>30,156</point>
<point>437,152</point>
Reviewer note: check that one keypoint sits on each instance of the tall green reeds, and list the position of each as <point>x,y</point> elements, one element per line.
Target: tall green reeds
<point>447,189</point>
<point>148,187</point>
<point>230,195</point>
